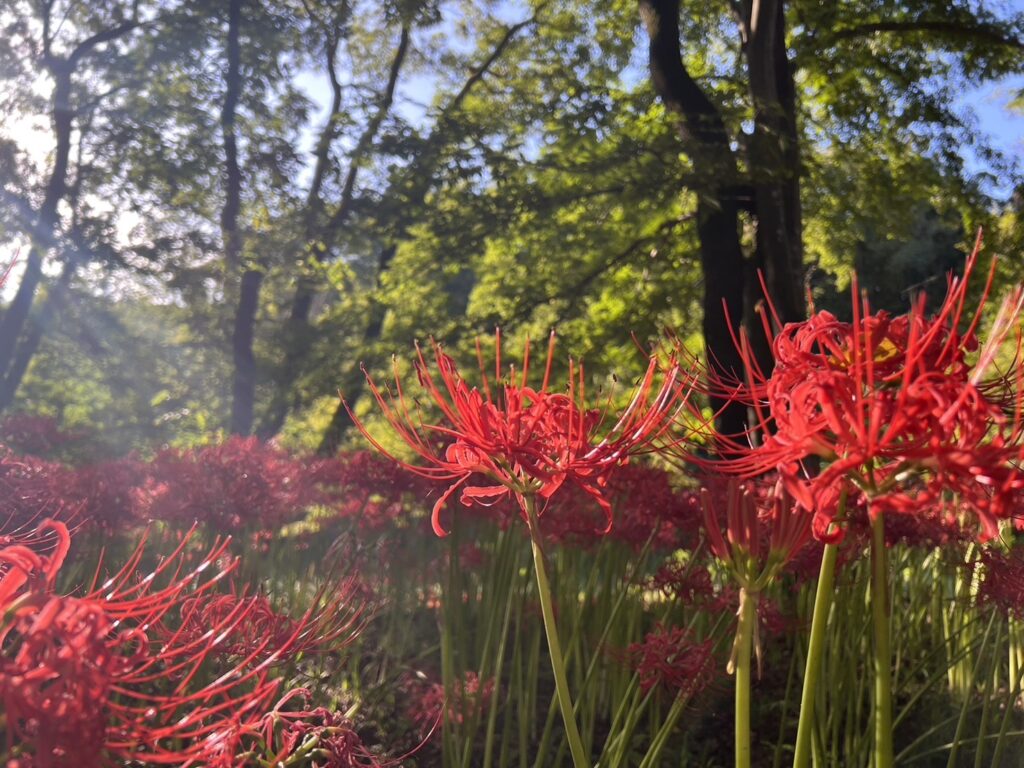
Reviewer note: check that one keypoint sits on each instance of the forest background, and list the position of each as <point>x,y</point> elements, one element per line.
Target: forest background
<point>220,209</point>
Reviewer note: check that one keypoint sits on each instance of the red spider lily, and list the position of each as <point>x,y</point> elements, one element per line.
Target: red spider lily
<point>333,621</point>
<point>34,435</point>
<point>893,405</point>
<point>670,657</point>
<point>326,738</point>
<point>22,564</point>
<point>687,582</point>
<point>369,489</point>
<point>107,674</point>
<point>31,490</point>
<point>647,509</point>
<point>109,494</point>
<point>1003,585</point>
<point>517,441</point>
<point>239,484</point>
<point>764,528</point>
<point>319,738</point>
<point>428,704</point>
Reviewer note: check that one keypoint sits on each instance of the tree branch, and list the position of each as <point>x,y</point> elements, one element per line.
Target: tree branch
<point>988,33</point>
<point>366,139</point>
<point>104,36</point>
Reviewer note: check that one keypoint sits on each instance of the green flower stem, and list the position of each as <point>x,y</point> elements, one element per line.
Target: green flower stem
<point>883,653</point>
<point>579,755</point>
<point>819,620</point>
<point>742,661</point>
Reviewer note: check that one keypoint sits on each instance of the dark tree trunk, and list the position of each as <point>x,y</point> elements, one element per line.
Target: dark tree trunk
<point>44,228</point>
<point>774,156</point>
<point>717,186</point>
<point>243,388</point>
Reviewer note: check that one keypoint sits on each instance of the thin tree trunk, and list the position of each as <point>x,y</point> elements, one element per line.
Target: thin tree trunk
<point>299,334</point>
<point>37,328</point>
<point>414,188</point>
<point>243,391</point>
<point>44,230</point>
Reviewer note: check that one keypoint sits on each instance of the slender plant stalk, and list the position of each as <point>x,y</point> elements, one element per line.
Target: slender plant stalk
<point>572,733</point>
<point>882,645</point>
<point>742,663</point>
<point>816,644</point>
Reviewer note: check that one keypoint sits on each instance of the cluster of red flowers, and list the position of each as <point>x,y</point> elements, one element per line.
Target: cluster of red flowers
<point>239,484</point>
<point>1003,584</point>
<point>645,508</point>
<point>429,702</point>
<point>34,435</point>
<point>320,737</point>
<point>895,409</point>
<point>369,489</point>
<point>670,657</point>
<point>121,670</point>
<point>32,489</point>
<point>508,440</point>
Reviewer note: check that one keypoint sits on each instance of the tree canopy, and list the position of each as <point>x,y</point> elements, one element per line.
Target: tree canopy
<point>222,209</point>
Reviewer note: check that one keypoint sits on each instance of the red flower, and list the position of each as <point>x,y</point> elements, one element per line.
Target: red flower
<point>893,406</point>
<point>764,529</point>
<point>331,623</point>
<point>326,737</point>
<point>114,672</point>
<point>470,699</point>
<point>668,656</point>
<point>1003,585</point>
<point>515,440</point>
<point>240,484</point>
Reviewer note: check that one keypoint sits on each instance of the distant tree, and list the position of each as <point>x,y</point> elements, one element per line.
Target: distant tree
<point>77,47</point>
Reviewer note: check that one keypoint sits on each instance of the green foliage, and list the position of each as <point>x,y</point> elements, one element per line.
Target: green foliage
<point>521,174</point>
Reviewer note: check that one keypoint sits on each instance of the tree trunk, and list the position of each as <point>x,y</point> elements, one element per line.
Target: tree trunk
<point>774,157</point>
<point>299,333</point>
<point>352,389</point>
<point>414,188</point>
<point>44,229</point>
<point>37,328</point>
<point>718,190</point>
<point>243,388</point>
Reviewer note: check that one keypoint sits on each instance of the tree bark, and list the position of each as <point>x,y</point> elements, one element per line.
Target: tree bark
<point>243,385</point>
<point>775,157</point>
<point>717,185</point>
<point>37,328</point>
<point>243,388</point>
<point>44,229</point>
